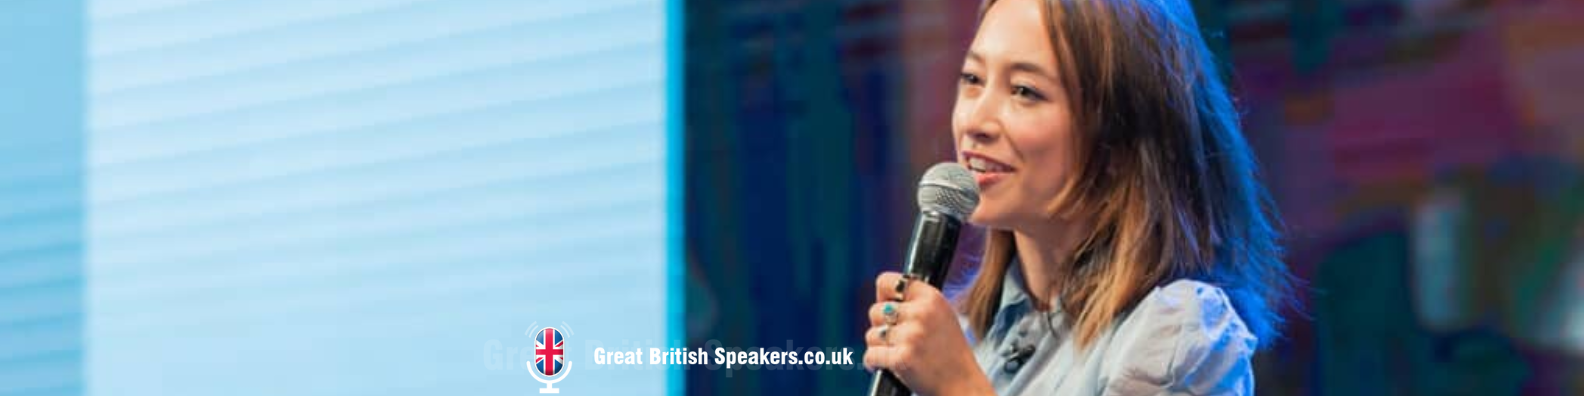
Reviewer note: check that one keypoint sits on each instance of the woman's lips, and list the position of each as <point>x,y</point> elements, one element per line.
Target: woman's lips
<point>986,171</point>
<point>979,163</point>
<point>986,179</point>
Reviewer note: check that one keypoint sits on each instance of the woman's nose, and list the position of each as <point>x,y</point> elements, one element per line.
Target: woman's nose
<point>984,125</point>
<point>980,135</point>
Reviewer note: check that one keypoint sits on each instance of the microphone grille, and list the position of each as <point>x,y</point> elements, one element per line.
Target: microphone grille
<point>950,189</point>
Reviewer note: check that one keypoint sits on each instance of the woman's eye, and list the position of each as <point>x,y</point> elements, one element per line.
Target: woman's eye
<point>1024,91</point>
<point>969,78</point>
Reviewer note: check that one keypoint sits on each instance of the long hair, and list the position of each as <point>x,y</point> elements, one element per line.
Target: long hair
<point>1161,168</point>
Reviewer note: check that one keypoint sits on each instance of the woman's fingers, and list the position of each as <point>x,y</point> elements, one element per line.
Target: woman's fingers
<point>903,325</point>
<point>879,311</point>
<point>882,357</point>
<point>873,358</point>
<point>896,325</point>
<point>892,358</point>
<point>876,336</point>
<point>885,286</point>
<point>891,341</point>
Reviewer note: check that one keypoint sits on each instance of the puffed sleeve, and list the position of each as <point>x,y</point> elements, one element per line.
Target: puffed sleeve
<point>1182,339</point>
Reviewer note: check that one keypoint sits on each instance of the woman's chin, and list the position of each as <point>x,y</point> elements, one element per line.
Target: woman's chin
<point>988,218</point>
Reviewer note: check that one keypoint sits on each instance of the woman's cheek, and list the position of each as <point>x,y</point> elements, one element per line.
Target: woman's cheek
<point>988,213</point>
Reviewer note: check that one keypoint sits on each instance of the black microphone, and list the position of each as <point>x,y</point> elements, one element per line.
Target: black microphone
<point>946,195</point>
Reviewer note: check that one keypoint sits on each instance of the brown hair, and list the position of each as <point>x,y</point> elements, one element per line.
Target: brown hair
<point>1161,169</point>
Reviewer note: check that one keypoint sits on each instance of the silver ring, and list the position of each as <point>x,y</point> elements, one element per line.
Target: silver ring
<point>891,312</point>
<point>885,334</point>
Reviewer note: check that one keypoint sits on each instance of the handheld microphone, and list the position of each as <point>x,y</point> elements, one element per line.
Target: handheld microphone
<point>946,195</point>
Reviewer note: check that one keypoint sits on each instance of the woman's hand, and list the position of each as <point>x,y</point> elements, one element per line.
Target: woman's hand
<point>922,343</point>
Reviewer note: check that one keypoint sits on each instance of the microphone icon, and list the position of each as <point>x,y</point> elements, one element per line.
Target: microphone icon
<point>549,383</point>
<point>549,359</point>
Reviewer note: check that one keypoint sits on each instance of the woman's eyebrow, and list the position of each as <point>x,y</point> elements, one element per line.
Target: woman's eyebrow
<point>1017,66</point>
<point>1034,68</point>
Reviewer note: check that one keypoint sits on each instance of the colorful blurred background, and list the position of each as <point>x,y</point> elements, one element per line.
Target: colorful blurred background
<point>302,197</point>
<point>1428,156</point>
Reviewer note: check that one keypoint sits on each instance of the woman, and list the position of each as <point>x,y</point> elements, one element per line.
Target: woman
<point>1131,250</point>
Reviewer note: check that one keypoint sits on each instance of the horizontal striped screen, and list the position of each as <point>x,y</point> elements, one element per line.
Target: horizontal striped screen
<point>41,198</point>
<point>371,197</point>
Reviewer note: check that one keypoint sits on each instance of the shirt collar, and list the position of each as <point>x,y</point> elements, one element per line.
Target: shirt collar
<point>1014,290</point>
<point>1015,299</point>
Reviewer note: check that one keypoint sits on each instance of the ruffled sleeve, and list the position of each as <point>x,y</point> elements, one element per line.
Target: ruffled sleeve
<point>1182,339</point>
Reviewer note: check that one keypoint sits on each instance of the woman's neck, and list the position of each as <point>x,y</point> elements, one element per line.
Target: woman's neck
<point>1044,254</point>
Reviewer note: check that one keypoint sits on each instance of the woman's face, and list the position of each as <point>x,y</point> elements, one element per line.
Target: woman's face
<point>1011,124</point>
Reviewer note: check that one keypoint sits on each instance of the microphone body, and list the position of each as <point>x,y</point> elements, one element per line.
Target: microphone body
<point>946,195</point>
<point>928,259</point>
<point>933,245</point>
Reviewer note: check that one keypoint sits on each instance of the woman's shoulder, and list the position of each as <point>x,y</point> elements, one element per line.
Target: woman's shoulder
<point>1191,303</point>
<point>1185,311</point>
<point>1182,336</point>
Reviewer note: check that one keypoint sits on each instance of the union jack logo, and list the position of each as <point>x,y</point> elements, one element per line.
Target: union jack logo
<point>548,351</point>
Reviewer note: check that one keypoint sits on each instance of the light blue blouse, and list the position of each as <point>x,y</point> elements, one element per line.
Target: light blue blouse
<point>1181,339</point>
